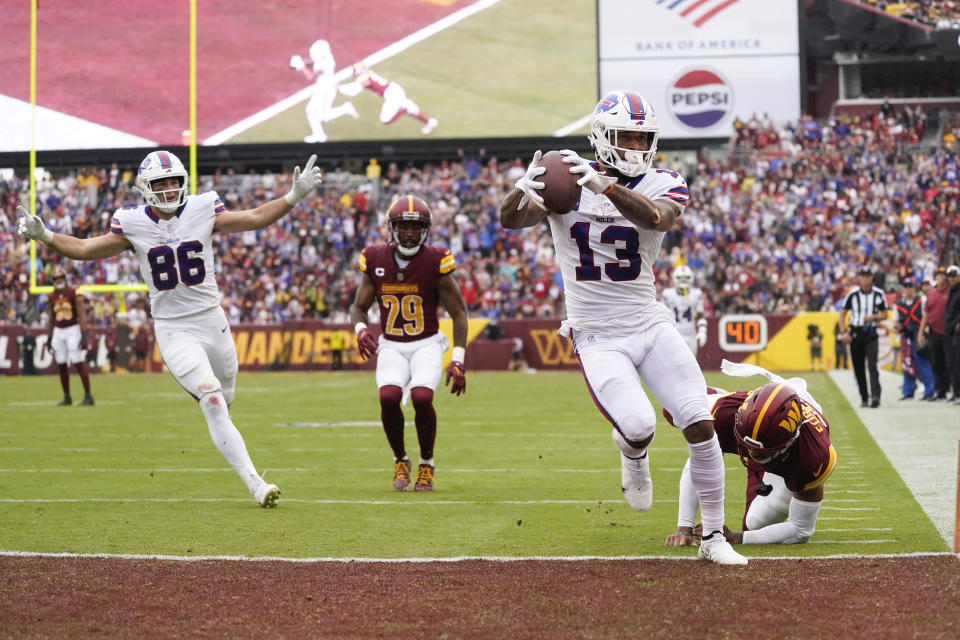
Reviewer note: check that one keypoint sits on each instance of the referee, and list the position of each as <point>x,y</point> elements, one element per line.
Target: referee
<point>862,309</point>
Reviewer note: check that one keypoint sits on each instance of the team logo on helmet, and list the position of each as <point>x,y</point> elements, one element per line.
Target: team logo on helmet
<point>623,112</point>
<point>157,166</point>
<point>409,208</point>
<point>768,423</point>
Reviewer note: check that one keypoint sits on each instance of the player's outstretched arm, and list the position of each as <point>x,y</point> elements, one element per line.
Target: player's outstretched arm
<point>31,227</point>
<point>269,212</point>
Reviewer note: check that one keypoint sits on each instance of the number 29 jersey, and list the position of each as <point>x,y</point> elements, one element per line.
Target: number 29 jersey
<point>607,261</point>
<point>408,296</point>
<point>175,255</point>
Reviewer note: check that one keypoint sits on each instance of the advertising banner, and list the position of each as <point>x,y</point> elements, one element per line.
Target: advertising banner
<point>703,63</point>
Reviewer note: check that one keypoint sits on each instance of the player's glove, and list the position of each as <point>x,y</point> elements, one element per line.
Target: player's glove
<point>296,62</point>
<point>456,373</point>
<point>366,343</point>
<point>589,177</point>
<point>529,184</point>
<point>303,183</point>
<point>701,332</point>
<point>32,227</point>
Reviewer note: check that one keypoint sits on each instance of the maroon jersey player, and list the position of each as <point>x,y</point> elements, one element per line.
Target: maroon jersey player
<point>409,279</point>
<point>66,335</point>
<point>784,441</point>
<point>395,101</point>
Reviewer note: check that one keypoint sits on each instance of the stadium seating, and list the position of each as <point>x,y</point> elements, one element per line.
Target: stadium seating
<point>778,226</point>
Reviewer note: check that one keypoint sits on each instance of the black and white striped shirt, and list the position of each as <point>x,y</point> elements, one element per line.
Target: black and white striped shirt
<point>860,304</point>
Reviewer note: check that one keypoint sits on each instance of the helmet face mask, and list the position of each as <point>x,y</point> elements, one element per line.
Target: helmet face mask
<point>404,212</point>
<point>59,278</point>
<point>683,277</point>
<point>160,165</point>
<point>618,113</point>
<point>768,423</point>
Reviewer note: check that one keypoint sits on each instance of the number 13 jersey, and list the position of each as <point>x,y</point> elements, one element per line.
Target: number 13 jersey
<point>607,261</point>
<point>175,255</point>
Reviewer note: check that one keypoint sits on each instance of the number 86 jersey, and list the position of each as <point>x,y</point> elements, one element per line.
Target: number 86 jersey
<point>607,261</point>
<point>175,255</point>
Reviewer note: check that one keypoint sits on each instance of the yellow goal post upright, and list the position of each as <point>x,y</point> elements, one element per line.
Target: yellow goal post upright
<point>102,288</point>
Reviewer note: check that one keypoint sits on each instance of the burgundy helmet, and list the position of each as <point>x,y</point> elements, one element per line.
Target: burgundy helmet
<point>409,208</point>
<point>768,422</point>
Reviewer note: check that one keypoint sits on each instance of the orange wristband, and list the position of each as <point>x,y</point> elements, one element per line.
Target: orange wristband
<point>610,188</point>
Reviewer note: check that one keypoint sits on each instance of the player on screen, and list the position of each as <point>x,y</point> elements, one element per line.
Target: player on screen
<point>67,335</point>
<point>172,237</point>
<point>781,436</point>
<point>409,278</point>
<point>621,334</point>
<point>320,71</point>
<point>686,303</point>
<point>395,101</point>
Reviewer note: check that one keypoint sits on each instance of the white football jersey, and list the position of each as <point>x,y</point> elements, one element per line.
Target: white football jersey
<point>686,307</point>
<point>607,262</point>
<point>176,255</point>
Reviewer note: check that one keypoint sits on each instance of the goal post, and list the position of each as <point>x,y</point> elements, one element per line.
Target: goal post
<point>34,288</point>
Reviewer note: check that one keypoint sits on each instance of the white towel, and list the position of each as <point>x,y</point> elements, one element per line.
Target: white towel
<point>744,370</point>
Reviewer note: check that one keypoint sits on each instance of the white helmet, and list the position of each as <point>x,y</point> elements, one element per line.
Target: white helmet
<point>157,165</point>
<point>682,277</point>
<point>319,50</point>
<point>623,111</point>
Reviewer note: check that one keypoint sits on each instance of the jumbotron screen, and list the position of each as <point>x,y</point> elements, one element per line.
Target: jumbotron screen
<point>117,74</point>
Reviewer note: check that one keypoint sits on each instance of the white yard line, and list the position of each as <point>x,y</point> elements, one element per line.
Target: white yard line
<point>124,556</point>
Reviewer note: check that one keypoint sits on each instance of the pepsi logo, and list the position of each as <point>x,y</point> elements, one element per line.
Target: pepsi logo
<point>700,98</point>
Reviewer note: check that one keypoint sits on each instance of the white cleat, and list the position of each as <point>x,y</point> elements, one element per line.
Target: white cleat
<point>312,138</point>
<point>718,551</point>
<point>351,110</point>
<point>635,481</point>
<point>430,126</point>
<point>267,495</point>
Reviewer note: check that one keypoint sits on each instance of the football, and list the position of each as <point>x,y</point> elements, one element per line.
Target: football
<point>560,192</point>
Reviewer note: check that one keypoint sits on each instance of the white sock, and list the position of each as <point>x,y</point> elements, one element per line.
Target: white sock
<point>429,462</point>
<point>227,439</point>
<point>706,472</point>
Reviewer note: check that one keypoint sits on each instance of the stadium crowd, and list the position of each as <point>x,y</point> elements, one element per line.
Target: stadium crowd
<point>779,225</point>
<point>938,14</point>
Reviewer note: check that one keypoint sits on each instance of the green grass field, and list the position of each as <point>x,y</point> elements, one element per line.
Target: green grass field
<point>510,70</point>
<point>525,467</point>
